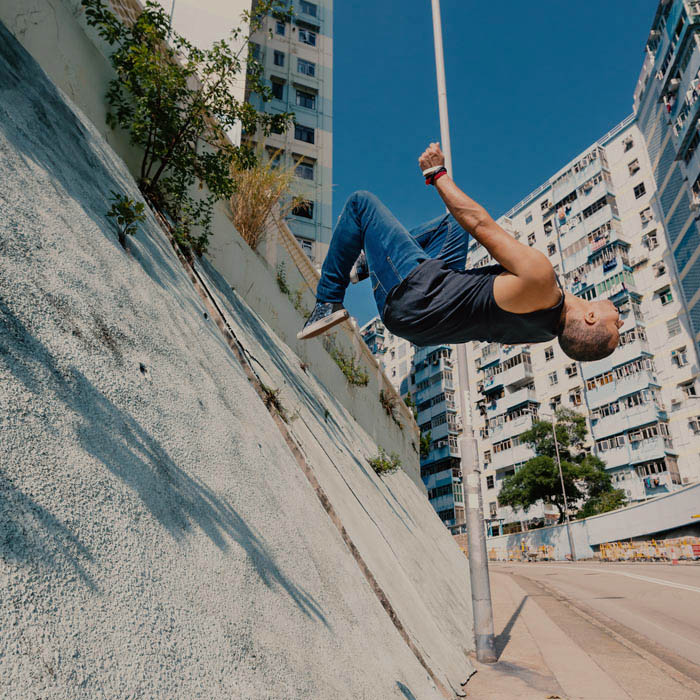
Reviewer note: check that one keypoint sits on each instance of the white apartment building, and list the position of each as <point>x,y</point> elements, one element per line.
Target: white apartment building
<point>599,222</point>
<point>394,353</point>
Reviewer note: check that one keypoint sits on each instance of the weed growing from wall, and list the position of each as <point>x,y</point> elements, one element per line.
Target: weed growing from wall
<point>354,373</point>
<point>384,463</point>
<point>126,213</point>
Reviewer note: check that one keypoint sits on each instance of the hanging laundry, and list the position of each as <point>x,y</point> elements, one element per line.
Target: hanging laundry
<point>561,214</point>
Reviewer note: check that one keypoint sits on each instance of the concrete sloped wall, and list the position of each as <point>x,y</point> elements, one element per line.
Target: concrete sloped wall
<point>75,58</point>
<point>157,536</point>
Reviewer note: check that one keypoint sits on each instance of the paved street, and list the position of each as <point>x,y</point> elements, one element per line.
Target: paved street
<point>594,631</point>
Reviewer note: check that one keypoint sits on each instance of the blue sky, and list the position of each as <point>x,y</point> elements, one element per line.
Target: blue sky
<point>529,86</point>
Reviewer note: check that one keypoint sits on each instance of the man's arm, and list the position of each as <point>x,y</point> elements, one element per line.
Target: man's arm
<point>531,267</point>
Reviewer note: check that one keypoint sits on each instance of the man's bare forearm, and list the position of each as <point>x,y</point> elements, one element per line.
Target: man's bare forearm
<point>515,257</point>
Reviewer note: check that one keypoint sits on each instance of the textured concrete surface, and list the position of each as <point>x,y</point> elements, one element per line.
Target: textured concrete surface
<point>157,537</point>
<point>74,57</point>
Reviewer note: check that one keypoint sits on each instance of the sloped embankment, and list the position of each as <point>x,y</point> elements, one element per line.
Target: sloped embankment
<point>158,537</point>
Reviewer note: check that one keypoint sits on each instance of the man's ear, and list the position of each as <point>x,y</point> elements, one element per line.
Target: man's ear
<point>590,316</point>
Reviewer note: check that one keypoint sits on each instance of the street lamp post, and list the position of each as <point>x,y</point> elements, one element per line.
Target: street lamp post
<point>476,537</point>
<point>563,489</point>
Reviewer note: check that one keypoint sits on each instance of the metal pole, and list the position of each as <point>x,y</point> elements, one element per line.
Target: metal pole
<point>478,559</point>
<point>563,490</point>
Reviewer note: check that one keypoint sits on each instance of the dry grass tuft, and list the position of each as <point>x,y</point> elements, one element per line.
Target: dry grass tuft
<point>261,191</point>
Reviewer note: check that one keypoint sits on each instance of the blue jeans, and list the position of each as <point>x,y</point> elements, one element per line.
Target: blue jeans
<point>391,250</point>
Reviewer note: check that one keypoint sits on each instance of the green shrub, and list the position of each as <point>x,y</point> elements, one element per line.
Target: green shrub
<point>176,103</point>
<point>127,213</point>
<point>282,279</point>
<point>384,463</point>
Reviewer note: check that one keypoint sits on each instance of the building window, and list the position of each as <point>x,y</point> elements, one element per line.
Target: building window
<point>650,240</point>
<point>646,215</point>
<point>665,295</point>
<point>304,210</point>
<point>277,90</point>
<point>639,190</point>
<point>679,357</point>
<point>306,67</point>
<point>628,143</point>
<point>673,326</point>
<point>493,509</point>
<point>308,8</point>
<point>689,388</point>
<point>551,249</point>
<point>528,219</point>
<point>280,28</point>
<point>633,166</point>
<point>255,50</point>
<point>306,99</point>
<point>489,482</point>
<point>553,379</point>
<point>303,133</point>
<point>304,170</point>
<point>575,397</point>
<point>306,36</point>
<point>307,247</point>
<point>487,457</point>
<point>531,239</point>
<point>548,353</point>
<point>571,370</point>
<point>659,268</point>
<point>279,58</point>
<point>556,400</point>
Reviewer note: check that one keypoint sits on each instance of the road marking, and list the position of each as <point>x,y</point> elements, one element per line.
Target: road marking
<point>660,581</point>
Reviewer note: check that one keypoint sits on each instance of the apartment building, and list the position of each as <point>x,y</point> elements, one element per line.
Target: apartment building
<point>666,103</point>
<point>394,353</point>
<point>432,381</point>
<point>599,221</point>
<point>297,59</point>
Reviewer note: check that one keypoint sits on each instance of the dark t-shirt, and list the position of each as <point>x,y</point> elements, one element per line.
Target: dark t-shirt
<point>435,305</point>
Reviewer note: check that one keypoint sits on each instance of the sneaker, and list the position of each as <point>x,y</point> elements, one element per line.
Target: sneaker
<point>324,316</point>
<point>360,270</point>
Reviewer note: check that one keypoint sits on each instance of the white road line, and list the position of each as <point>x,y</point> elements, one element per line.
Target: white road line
<point>660,581</point>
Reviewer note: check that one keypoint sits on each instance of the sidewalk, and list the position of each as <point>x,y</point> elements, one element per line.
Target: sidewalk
<point>539,658</point>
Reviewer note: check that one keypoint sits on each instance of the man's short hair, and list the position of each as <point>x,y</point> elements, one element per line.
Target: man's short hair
<point>584,342</point>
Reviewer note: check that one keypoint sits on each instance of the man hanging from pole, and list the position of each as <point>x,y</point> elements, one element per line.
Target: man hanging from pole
<point>425,295</point>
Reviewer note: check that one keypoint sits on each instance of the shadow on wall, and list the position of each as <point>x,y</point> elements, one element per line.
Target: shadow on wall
<point>120,443</point>
<point>42,127</point>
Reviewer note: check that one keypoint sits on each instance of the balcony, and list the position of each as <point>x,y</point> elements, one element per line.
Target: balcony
<point>511,428</point>
<point>644,450</point>
<point>618,457</point>
<point>621,387</point>
<point>520,374</point>
<point>626,420</point>
<point>507,458</point>
<point>440,453</point>
<point>622,355</point>
<point>516,398</point>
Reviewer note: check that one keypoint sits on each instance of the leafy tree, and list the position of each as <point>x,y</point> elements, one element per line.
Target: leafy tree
<point>607,501</point>
<point>538,480</point>
<point>176,103</point>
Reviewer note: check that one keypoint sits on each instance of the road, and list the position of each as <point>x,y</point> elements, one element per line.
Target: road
<point>620,615</point>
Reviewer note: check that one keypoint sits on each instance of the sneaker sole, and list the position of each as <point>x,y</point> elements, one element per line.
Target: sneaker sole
<point>323,325</point>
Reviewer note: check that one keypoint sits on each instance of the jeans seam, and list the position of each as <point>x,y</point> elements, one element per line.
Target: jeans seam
<point>393,267</point>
